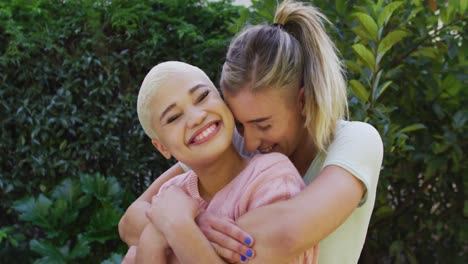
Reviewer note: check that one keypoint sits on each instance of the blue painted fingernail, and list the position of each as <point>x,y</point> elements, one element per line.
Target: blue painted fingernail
<point>243,258</point>
<point>249,253</point>
<point>247,241</point>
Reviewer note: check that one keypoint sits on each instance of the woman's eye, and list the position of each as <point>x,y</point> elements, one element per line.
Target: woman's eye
<point>172,118</point>
<point>264,128</point>
<point>203,96</point>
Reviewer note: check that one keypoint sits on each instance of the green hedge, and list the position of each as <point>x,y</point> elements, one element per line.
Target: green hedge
<point>73,155</point>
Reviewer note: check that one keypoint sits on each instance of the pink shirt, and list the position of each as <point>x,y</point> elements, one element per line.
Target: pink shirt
<point>268,178</point>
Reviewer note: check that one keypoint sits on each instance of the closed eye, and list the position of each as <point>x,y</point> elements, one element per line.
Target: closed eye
<point>264,128</point>
<point>202,96</point>
<point>172,118</point>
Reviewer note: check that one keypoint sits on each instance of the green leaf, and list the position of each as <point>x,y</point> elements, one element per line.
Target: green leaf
<point>387,13</point>
<point>63,145</point>
<point>4,232</point>
<point>390,40</point>
<point>381,89</point>
<point>103,225</point>
<point>412,128</point>
<point>463,5</point>
<point>447,14</point>
<point>417,2</point>
<point>68,190</point>
<point>414,13</point>
<point>429,52</point>
<point>452,86</point>
<point>353,66</point>
<point>35,211</point>
<point>62,213</point>
<point>366,55</point>
<point>104,189</point>
<point>384,211</point>
<point>81,248</point>
<point>368,23</point>
<point>460,118</point>
<point>359,90</point>
<point>359,31</point>
<point>341,6</point>
<point>47,250</point>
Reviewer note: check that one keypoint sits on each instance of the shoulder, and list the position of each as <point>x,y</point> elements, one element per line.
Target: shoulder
<point>273,166</point>
<point>357,148</point>
<point>269,161</point>
<point>181,180</point>
<point>356,129</point>
<point>357,135</point>
<point>271,177</point>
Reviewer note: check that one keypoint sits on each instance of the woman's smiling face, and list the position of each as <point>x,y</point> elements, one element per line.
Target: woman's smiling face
<point>270,119</point>
<point>192,121</point>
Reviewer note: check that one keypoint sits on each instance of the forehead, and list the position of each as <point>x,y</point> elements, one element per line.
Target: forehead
<point>247,105</point>
<point>177,84</point>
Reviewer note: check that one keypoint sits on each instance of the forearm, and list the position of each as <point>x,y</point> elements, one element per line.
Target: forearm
<point>285,229</point>
<point>134,220</point>
<point>189,244</point>
<point>152,247</point>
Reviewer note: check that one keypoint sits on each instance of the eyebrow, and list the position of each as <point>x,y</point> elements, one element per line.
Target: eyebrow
<point>259,120</point>
<point>171,106</point>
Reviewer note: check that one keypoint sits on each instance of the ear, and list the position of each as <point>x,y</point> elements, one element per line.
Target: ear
<point>301,99</point>
<point>161,148</point>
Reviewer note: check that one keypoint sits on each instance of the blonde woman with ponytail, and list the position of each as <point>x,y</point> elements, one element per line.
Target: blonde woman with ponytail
<point>285,85</point>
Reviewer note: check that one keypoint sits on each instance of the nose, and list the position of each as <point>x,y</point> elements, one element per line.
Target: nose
<point>251,140</point>
<point>196,117</point>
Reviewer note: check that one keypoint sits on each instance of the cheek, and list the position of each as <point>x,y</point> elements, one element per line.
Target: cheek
<point>287,132</point>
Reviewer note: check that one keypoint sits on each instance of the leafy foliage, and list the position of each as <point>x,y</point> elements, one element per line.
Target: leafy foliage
<point>69,203</point>
<point>406,63</point>
<point>74,156</point>
<point>70,137</point>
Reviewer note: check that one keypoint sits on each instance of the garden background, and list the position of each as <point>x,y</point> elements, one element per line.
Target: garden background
<point>73,155</point>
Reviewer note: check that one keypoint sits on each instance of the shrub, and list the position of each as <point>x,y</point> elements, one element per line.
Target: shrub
<point>70,73</point>
<point>73,155</point>
<point>406,66</point>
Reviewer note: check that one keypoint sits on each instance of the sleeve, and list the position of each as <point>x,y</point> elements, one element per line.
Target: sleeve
<point>178,180</point>
<point>277,181</point>
<point>358,149</point>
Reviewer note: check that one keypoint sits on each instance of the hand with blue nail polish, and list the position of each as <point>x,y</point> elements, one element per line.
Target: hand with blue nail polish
<point>231,242</point>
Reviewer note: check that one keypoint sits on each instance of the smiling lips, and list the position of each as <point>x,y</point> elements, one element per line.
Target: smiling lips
<point>267,149</point>
<point>205,133</point>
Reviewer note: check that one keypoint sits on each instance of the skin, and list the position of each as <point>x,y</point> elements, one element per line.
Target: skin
<point>133,221</point>
<point>338,191</point>
<point>195,126</point>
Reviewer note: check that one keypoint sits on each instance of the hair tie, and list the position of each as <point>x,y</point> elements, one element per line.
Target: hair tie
<point>279,25</point>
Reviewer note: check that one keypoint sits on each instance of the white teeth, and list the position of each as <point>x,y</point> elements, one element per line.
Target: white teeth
<point>265,150</point>
<point>205,133</point>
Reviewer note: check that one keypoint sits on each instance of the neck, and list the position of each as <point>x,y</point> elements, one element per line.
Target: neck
<point>216,174</point>
<point>305,153</point>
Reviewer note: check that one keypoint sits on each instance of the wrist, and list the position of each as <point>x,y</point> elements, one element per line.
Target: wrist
<point>178,228</point>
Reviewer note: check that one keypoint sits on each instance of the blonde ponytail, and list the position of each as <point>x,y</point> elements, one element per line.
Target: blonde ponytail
<point>294,51</point>
<point>323,75</point>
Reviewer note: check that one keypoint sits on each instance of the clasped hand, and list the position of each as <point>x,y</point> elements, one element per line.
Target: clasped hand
<point>173,206</point>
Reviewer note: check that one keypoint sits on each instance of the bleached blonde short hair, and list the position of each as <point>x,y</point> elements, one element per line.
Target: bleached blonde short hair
<point>156,78</point>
